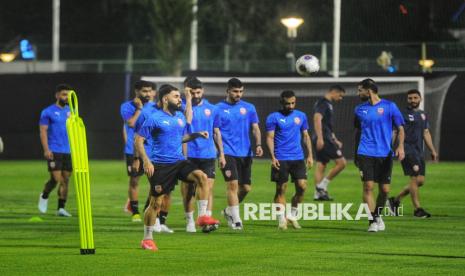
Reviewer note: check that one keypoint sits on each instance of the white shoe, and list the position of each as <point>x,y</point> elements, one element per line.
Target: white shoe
<point>63,213</point>
<point>237,226</point>
<point>373,227</point>
<point>381,226</point>
<point>293,221</point>
<point>190,227</point>
<point>165,229</point>
<point>43,204</point>
<point>228,217</point>
<point>157,226</point>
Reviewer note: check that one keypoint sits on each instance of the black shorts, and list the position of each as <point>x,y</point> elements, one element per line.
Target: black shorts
<point>330,151</point>
<point>166,176</point>
<point>205,165</point>
<point>130,171</point>
<point>377,169</point>
<point>238,168</point>
<point>60,162</point>
<point>296,168</point>
<point>409,163</point>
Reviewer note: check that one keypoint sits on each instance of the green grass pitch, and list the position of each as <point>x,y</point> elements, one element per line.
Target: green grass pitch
<point>408,246</point>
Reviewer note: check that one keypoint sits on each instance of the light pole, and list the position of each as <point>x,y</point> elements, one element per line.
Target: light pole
<point>292,23</point>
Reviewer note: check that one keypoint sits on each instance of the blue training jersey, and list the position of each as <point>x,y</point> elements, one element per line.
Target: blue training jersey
<point>127,110</point>
<point>376,124</point>
<point>55,118</point>
<point>147,111</point>
<point>205,118</point>
<point>165,132</point>
<point>235,122</point>
<point>287,134</point>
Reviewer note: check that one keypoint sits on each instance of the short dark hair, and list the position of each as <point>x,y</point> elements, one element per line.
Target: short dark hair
<point>369,84</point>
<point>287,94</point>
<point>62,86</point>
<point>164,90</point>
<point>337,87</point>
<point>193,83</point>
<point>414,91</point>
<point>234,83</point>
<point>138,85</point>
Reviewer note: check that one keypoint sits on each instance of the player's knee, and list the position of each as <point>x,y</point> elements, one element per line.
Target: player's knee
<point>301,188</point>
<point>200,178</point>
<point>246,188</point>
<point>133,182</point>
<point>342,163</point>
<point>385,189</point>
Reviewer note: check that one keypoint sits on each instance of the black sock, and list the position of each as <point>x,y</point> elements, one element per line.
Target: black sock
<point>163,215</point>
<point>44,195</point>
<point>374,215</point>
<point>61,203</point>
<point>134,206</point>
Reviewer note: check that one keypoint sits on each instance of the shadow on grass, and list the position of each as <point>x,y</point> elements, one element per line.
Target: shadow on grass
<point>400,254</point>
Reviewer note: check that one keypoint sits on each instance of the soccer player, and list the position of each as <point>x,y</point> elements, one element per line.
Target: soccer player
<point>285,130</point>
<point>130,112</point>
<point>328,147</point>
<point>202,152</point>
<point>416,133</point>
<point>54,140</point>
<point>167,164</point>
<point>376,118</point>
<point>236,118</point>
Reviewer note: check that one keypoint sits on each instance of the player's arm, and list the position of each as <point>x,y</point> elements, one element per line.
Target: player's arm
<point>219,146</point>
<point>125,135</point>
<point>131,121</point>
<point>400,139</point>
<point>357,134</point>
<point>258,139</point>
<point>192,136</point>
<point>44,141</point>
<point>317,118</point>
<point>429,144</point>
<point>184,149</point>
<point>338,143</point>
<point>270,145</point>
<point>149,169</point>
<point>308,147</point>
<point>188,111</point>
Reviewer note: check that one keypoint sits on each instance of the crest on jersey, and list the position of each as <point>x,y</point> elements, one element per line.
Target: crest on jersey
<point>243,110</point>
<point>380,110</point>
<point>207,112</point>
<point>423,116</point>
<point>297,120</point>
<point>180,122</point>
<point>411,118</point>
<point>227,173</point>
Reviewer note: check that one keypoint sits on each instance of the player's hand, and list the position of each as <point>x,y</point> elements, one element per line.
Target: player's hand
<point>309,162</point>
<point>138,103</point>
<point>434,156</point>
<point>188,94</point>
<point>221,161</point>
<point>275,163</point>
<point>136,165</point>
<point>400,153</point>
<point>338,143</point>
<point>149,169</point>
<point>204,134</point>
<point>320,144</point>
<point>48,155</point>
<point>259,151</point>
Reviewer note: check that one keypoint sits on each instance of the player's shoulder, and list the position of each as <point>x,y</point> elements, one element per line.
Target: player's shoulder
<point>49,109</point>
<point>361,106</point>
<point>247,104</point>
<point>127,104</point>
<point>300,113</point>
<point>272,115</point>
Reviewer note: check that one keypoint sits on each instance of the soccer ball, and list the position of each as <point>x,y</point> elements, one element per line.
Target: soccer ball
<point>307,64</point>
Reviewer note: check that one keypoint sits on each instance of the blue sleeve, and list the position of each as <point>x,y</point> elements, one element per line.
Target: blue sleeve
<point>140,121</point>
<point>253,115</point>
<point>270,123</point>
<point>44,118</point>
<point>356,119</point>
<point>396,116</point>
<point>426,126</point>
<point>147,128</point>
<point>216,118</point>
<point>304,125</point>
<point>126,111</point>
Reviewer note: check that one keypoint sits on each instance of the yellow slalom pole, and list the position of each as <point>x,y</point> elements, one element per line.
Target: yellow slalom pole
<point>78,144</point>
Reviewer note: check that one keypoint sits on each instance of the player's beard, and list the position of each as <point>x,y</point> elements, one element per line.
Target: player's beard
<point>287,111</point>
<point>196,101</point>
<point>414,105</point>
<point>144,99</point>
<point>173,107</point>
<point>364,98</point>
<point>62,103</point>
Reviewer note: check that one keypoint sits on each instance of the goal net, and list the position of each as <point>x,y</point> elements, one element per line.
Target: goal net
<point>264,93</point>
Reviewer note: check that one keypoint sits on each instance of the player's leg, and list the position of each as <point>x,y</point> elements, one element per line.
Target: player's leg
<point>330,152</point>
<point>340,164</point>
<point>318,177</point>
<point>63,194</point>
<point>133,194</point>
<point>383,172</point>
<point>244,171</point>
<point>188,198</point>
<point>43,197</point>
<point>298,171</point>
<point>419,212</point>
<point>366,166</point>
<point>163,215</point>
<point>150,216</point>
<point>280,177</point>
<point>230,174</point>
